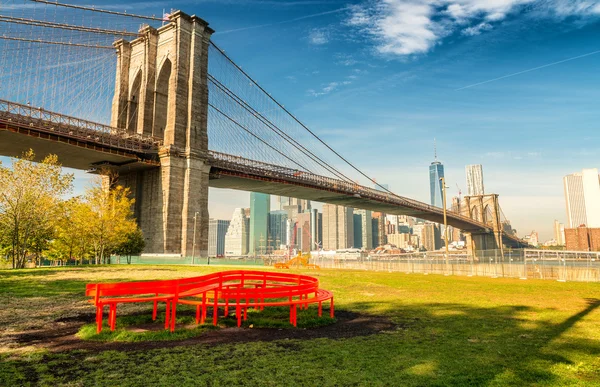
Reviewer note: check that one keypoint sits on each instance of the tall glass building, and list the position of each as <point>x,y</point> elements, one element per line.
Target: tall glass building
<point>436,172</point>
<point>217,229</point>
<point>278,229</point>
<point>260,204</point>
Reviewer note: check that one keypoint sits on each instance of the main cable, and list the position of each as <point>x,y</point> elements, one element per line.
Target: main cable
<point>298,121</point>
<point>276,129</point>
<point>93,9</point>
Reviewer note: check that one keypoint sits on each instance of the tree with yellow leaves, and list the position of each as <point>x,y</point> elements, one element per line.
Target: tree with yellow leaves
<point>29,203</point>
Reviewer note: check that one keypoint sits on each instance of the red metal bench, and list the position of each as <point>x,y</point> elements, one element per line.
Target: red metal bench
<point>239,289</point>
<point>112,294</point>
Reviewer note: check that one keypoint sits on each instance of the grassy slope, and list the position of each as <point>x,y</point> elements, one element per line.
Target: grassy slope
<point>452,331</point>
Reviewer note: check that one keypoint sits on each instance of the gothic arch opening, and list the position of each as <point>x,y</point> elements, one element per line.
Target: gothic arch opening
<point>133,103</point>
<point>475,214</point>
<point>161,99</point>
<point>488,215</point>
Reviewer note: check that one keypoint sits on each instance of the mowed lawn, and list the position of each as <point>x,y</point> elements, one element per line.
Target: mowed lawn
<point>448,331</point>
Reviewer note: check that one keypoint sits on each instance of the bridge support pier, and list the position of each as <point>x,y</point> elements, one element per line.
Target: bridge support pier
<point>169,201</point>
<point>161,89</point>
<point>482,241</point>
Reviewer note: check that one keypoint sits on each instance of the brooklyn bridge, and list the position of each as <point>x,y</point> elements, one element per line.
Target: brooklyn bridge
<point>183,117</point>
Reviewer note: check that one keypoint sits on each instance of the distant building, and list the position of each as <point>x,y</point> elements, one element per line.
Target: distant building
<point>316,235</point>
<point>475,180</point>
<point>303,237</point>
<point>534,239</point>
<point>338,227</point>
<point>278,229</point>
<point>582,196</point>
<point>381,230</point>
<point>417,231</point>
<point>430,237</point>
<point>402,241</point>
<point>559,233</point>
<point>436,172</point>
<point>582,239</point>
<point>375,231</point>
<point>217,229</point>
<point>357,231</point>
<point>392,223</point>
<point>283,201</point>
<point>260,204</point>
<point>363,229</point>
<point>236,239</point>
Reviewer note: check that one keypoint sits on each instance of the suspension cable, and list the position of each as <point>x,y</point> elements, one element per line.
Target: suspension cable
<point>257,137</point>
<point>298,121</point>
<point>58,43</point>
<point>93,9</point>
<point>276,129</point>
<point>40,23</point>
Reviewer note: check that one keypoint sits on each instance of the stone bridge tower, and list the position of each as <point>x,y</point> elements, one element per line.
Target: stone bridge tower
<point>161,90</point>
<point>486,209</point>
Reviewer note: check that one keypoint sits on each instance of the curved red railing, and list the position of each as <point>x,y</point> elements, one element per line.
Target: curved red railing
<point>237,289</point>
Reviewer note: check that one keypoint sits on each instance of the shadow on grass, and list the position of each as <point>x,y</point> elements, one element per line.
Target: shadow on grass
<point>431,344</point>
<point>501,344</point>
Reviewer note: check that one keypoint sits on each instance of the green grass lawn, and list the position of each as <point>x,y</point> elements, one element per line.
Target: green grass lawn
<point>449,331</point>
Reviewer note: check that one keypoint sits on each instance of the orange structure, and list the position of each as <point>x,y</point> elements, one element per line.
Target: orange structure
<point>298,260</point>
<point>238,289</point>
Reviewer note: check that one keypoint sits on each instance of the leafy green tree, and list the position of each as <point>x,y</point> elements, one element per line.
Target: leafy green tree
<point>133,245</point>
<point>29,202</point>
<point>110,219</point>
<point>72,235</point>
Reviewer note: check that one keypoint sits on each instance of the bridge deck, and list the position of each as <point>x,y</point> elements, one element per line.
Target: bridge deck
<point>80,143</point>
<point>83,144</point>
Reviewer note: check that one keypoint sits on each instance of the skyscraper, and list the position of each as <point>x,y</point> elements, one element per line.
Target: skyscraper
<point>430,237</point>
<point>375,231</point>
<point>365,225</point>
<point>559,233</point>
<point>315,229</point>
<point>338,227</point>
<point>277,229</point>
<point>303,232</point>
<point>260,204</point>
<point>217,229</point>
<point>582,196</point>
<point>236,239</point>
<point>357,230</point>
<point>379,237</point>
<point>436,172</point>
<point>474,180</point>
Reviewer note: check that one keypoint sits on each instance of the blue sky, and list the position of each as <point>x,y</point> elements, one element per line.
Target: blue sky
<point>379,80</point>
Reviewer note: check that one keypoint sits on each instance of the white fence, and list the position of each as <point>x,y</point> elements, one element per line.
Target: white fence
<point>524,264</point>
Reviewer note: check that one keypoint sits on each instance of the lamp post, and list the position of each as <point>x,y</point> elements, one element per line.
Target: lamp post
<point>194,238</point>
<point>443,180</point>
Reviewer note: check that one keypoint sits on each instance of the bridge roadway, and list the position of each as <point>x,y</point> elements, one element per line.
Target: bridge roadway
<point>86,145</point>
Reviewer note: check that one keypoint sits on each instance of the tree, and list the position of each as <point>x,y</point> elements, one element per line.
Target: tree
<point>72,231</point>
<point>133,245</point>
<point>110,219</point>
<point>29,202</point>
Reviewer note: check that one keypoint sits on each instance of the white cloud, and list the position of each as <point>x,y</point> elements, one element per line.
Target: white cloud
<point>331,86</point>
<point>476,30</point>
<point>328,88</point>
<point>318,37</point>
<point>408,27</point>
